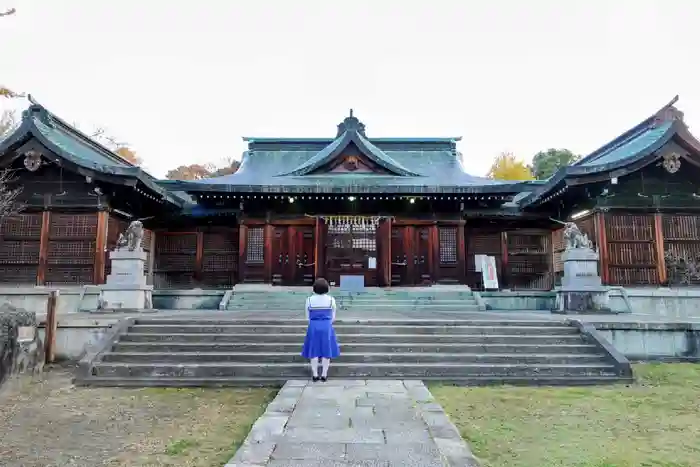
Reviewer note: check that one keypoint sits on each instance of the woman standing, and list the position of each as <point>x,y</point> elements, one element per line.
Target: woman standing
<point>320,341</point>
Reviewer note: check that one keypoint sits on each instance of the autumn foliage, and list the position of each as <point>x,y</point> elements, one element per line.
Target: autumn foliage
<point>200,171</point>
<point>507,167</point>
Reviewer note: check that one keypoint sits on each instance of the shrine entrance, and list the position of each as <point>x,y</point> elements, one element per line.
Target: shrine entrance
<point>410,255</point>
<point>293,258</point>
<point>351,248</point>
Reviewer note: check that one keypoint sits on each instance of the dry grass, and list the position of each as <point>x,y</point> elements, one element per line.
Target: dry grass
<point>49,422</point>
<point>655,423</point>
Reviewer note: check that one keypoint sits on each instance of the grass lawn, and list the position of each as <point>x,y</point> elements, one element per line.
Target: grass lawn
<point>51,422</point>
<point>654,423</point>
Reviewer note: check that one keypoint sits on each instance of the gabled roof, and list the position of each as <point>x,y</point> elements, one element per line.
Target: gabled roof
<point>638,145</point>
<point>78,149</point>
<point>289,165</point>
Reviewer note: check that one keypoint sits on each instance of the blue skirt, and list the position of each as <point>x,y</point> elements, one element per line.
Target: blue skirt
<point>320,341</point>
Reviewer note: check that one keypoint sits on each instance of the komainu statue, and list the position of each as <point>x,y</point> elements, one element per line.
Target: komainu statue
<point>574,238</point>
<point>132,237</point>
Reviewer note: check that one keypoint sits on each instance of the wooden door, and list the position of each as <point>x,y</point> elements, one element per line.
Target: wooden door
<point>301,270</point>
<point>401,257</point>
<point>349,248</point>
<point>422,258</point>
<point>411,262</point>
<point>280,255</point>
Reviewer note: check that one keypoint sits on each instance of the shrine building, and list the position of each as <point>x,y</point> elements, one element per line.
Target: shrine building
<point>400,211</point>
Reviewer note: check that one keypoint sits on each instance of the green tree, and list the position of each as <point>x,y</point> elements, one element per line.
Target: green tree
<point>546,163</point>
<point>507,167</point>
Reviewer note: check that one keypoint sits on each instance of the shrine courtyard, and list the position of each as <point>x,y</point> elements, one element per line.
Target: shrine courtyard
<point>656,422</point>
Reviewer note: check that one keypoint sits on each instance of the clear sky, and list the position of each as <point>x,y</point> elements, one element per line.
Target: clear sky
<point>183,81</point>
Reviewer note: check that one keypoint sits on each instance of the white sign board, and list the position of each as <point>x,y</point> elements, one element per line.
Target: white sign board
<point>488,272</point>
<point>371,262</point>
<point>25,334</point>
<point>477,262</point>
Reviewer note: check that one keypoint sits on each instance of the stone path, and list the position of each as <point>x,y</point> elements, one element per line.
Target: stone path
<point>354,423</point>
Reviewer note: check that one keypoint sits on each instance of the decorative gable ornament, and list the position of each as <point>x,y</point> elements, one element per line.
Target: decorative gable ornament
<point>351,163</point>
<point>32,161</point>
<point>672,162</point>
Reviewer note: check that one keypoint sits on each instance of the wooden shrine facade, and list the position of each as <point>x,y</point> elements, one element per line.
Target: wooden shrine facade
<point>399,212</point>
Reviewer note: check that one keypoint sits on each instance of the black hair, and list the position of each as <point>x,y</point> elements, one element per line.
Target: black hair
<point>321,286</point>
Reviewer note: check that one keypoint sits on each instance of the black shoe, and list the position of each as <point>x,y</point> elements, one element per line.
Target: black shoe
<point>324,379</point>
<point>315,379</point>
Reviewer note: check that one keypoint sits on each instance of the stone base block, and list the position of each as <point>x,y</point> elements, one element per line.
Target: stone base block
<point>582,301</point>
<point>120,296</point>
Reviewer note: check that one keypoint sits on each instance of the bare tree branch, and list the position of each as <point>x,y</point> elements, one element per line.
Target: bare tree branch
<point>9,12</point>
<point>9,206</point>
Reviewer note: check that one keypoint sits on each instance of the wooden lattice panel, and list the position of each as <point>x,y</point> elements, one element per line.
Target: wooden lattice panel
<point>448,245</point>
<point>18,274</point>
<point>631,253</point>
<point>21,226</point>
<point>179,244</point>
<point>69,275</point>
<point>558,246</point>
<point>481,243</point>
<point>19,252</point>
<point>255,246</point>
<point>529,260</point>
<point>629,228</point>
<point>173,280</point>
<point>71,226</point>
<point>76,252</point>
<point>682,240</point>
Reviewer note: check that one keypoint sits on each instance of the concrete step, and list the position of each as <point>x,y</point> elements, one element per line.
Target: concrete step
<point>356,338</point>
<point>347,370</point>
<point>350,330</point>
<point>276,381</point>
<point>346,321</point>
<point>237,347</point>
<point>351,357</point>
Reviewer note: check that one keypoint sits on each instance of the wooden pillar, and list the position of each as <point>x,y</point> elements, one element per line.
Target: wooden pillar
<point>100,248</point>
<point>199,257</point>
<point>504,261</point>
<point>268,232</point>
<point>319,247</point>
<point>659,246</point>
<point>151,258</point>
<point>292,250</point>
<point>43,248</point>
<point>461,253</point>
<point>384,253</point>
<point>242,249</point>
<point>434,256</point>
<point>602,241</point>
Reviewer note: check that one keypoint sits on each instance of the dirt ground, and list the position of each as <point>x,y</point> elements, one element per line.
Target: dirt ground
<point>47,422</point>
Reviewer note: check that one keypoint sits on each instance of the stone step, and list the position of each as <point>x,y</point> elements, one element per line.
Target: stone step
<point>345,321</point>
<point>357,338</point>
<point>276,381</point>
<point>237,347</point>
<point>367,358</point>
<point>347,370</point>
<point>349,330</point>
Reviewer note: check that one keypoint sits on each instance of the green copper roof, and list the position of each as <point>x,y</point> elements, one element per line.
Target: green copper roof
<point>639,143</point>
<point>289,165</point>
<point>78,149</point>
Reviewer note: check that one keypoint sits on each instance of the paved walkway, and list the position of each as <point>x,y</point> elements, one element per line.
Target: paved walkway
<point>344,423</point>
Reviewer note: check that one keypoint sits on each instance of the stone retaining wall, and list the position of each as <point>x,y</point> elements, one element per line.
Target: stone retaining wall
<point>21,349</point>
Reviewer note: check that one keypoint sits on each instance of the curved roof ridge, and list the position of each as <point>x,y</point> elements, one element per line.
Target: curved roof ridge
<point>630,134</point>
<point>368,149</point>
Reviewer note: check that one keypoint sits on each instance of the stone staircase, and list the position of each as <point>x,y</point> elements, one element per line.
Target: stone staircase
<point>432,299</point>
<point>199,351</point>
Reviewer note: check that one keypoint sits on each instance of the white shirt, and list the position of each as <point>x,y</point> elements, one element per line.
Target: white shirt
<point>320,301</point>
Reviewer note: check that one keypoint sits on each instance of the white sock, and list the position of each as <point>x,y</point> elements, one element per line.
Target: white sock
<point>325,363</point>
<point>314,367</point>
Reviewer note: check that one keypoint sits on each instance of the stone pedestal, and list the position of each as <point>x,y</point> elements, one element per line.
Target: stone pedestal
<point>126,285</point>
<point>581,288</point>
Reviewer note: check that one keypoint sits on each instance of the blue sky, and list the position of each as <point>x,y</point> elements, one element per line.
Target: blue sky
<point>182,82</point>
